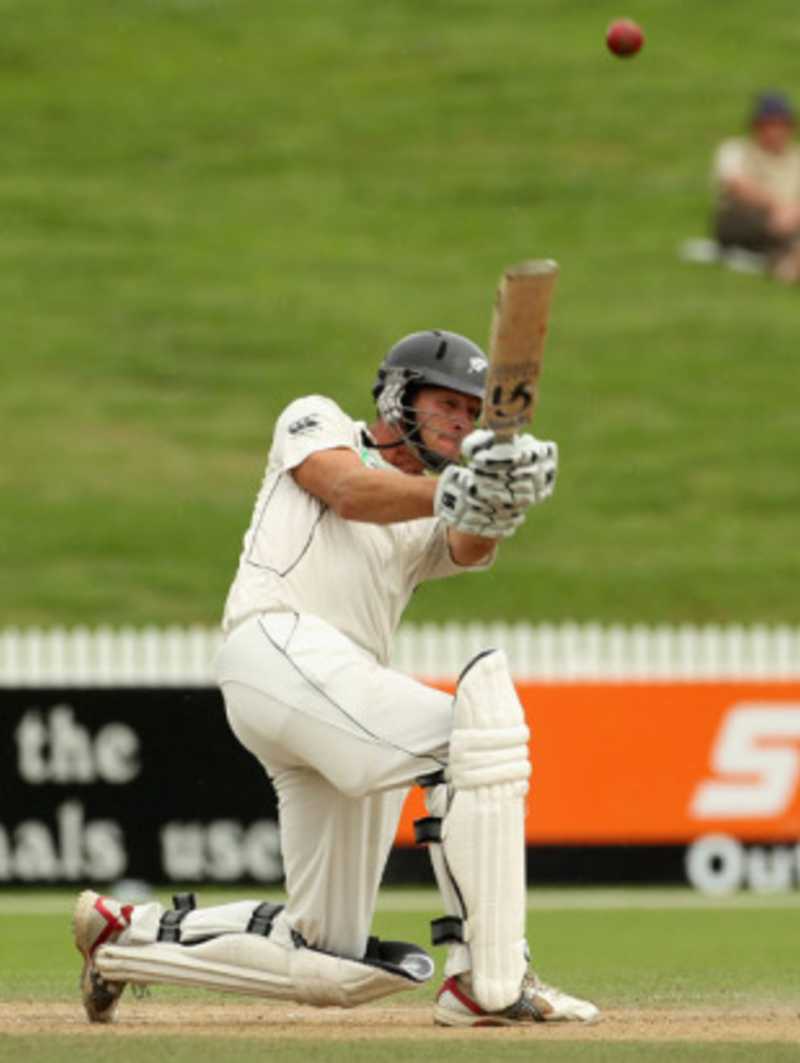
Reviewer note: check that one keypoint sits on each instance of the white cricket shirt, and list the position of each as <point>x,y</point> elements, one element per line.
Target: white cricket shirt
<point>299,555</point>
<point>779,173</point>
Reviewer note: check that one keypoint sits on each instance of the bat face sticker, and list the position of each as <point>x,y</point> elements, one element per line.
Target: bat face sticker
<point>514,402</point>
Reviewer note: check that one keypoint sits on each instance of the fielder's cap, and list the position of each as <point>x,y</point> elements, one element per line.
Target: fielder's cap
<point>770,106</point>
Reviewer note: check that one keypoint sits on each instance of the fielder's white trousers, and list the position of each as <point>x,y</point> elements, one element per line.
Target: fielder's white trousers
<point>342,739</point>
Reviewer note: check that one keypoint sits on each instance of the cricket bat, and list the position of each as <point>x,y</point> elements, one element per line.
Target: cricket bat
<point>516,345</point>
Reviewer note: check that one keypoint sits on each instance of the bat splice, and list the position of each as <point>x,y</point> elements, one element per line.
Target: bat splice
<point>516,345</point>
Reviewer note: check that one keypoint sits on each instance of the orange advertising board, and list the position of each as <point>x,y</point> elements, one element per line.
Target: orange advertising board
<point>658,763</point>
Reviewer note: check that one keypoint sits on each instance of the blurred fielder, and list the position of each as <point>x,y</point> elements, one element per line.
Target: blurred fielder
<point>758,188</point>
<point>347,524</point>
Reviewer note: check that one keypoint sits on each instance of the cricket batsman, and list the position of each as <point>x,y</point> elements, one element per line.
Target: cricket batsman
<point>347,524</point>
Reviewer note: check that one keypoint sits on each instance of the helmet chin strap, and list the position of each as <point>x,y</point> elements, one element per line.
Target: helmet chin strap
<point>431,459</point>
<point>370,442</point>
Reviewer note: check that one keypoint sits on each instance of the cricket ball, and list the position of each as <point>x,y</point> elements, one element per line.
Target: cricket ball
<point>624,38</point>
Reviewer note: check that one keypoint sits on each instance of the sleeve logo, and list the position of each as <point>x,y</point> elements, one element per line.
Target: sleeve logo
<point>305,425</point>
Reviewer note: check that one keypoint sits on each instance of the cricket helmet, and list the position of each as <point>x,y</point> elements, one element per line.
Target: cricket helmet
<point>435,358</point>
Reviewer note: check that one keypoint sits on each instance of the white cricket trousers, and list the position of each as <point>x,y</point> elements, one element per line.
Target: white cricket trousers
<point>342,739</point>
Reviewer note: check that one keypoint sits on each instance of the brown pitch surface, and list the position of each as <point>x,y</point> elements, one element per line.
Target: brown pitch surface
<point>273,1021</point>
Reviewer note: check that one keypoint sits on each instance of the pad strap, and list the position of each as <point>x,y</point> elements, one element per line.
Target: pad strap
<point>447,930</point>
<point>263,917</point>
<point>428,830</point>
<point>433,778</point>
<point>169,925</point>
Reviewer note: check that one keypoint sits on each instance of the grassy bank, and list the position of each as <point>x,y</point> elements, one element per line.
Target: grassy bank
<point>209,208</point>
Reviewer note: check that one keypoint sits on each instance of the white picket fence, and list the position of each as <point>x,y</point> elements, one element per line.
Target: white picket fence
<point>544,652</point>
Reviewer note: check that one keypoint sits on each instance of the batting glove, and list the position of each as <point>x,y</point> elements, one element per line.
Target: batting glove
<point>518,473</point>
<point>458,503</point>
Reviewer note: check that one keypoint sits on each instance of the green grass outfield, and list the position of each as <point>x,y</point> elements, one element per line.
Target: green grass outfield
<point>209,207</point>
<point>655,952</point>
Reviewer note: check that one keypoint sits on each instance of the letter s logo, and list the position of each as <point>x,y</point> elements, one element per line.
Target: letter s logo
<point>759,745</point>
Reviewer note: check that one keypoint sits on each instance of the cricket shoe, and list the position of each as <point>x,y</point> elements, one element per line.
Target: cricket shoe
<point>537,1003</point>
<point>98,921</point>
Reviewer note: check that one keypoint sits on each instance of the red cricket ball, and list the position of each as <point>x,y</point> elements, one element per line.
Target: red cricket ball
<point>624,37</point>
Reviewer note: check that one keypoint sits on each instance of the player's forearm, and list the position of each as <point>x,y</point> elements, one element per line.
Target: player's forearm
<point>377,496</point>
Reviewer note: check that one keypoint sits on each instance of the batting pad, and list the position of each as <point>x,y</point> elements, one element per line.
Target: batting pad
<point>483,833</point>
<point>256,966</point>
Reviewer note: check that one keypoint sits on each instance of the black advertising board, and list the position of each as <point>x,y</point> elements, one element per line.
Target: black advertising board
<point>103,784</point>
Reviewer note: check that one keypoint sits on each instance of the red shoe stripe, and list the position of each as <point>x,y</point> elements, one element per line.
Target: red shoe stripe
<point>452,986</point>
<point>113,925</point>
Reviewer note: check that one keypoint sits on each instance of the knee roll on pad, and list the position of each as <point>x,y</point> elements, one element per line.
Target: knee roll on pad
<point>484,758</point>
<point>483,830</point>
